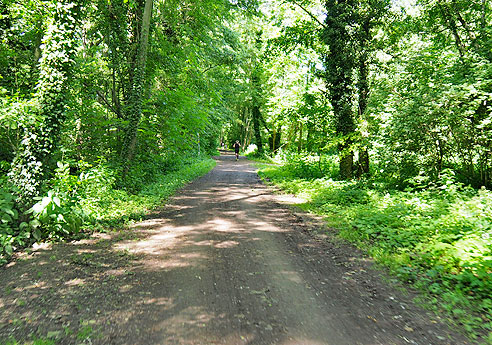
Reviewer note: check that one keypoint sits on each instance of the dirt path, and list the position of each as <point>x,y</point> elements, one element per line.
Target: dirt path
<point>223,263</point>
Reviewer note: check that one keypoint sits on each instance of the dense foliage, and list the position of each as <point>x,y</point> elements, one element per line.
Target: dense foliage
<point>398,89</point>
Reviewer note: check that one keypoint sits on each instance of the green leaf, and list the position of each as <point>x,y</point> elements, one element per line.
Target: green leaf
<point>8,249</point>
<point>34,223</point>
<point>8,211</point>
<point>36,234</point>
<point>5,218</point>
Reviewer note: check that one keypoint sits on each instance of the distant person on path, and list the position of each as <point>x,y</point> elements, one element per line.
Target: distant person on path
<point>237,145</point>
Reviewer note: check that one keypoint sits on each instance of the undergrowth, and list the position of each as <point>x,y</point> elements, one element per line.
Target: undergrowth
<point>112,208</point>
<point>436,237</point>
<point>90,200</point>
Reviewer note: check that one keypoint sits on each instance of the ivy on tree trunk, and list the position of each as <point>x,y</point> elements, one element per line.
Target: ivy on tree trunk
<point>134,104</point>
<point>339,64</point>
<point>31,165</point>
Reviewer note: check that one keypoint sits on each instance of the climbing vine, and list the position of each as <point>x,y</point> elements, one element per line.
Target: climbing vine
<point>41,128</point>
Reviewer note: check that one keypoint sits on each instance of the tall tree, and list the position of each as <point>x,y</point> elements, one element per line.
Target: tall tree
<point>135,100</point>
<point>31,165</point>
<point>369,15</point>
<point>256,110</point>
<point>339,64</point>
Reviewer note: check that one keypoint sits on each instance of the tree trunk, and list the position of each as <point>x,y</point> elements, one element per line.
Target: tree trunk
<point>292,134</point>
<point>256,113</point>
<point>278,138</point>
<point>309,136</point>
<point>346,165</point>
<point>299,142</point>
<point>339,65</point>
<point>247,119</point>
<point>363,88</point>
<point>364,161</point>
<point>256,126</point>
<point>275,138</point>
<point>272,139</point>
<point>136,93</point>
<point>250,133</point>
<point>33,161</point>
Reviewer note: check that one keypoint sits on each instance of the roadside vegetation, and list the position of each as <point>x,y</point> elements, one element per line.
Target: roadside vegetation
<point>434,235</point>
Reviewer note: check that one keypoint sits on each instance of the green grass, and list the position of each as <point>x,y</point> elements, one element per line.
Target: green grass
<point>84,335</point>
<point>438,239</point>
<point>118,206</point>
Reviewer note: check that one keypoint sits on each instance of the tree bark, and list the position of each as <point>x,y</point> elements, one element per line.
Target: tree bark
<point>339,65</point>
<point>364,160</point>
<point>346,165</point>
<point>136,93</point>
<point>363,88</point>
<point>256,126</point>
<point>247,119</point>
<point>256,113</point>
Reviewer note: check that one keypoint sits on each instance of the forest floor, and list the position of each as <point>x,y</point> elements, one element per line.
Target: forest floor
<point>226,261</point>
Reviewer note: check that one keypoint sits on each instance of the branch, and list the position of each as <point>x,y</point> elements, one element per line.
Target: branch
<point>105,101</point>
<point>212,67</point>
<point>109,105</point>
<point>452,26</point>
<point>464,24</point>
<point>307,11</point>
<point>262,120</point>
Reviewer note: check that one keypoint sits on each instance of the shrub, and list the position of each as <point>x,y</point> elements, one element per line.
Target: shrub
<point>90,197</point>
<point>9,233</point>
<point>54,216</point>
<point>307,165</point>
